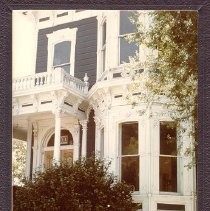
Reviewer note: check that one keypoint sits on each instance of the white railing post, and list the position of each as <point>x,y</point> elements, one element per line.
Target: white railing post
<point>86,78</point>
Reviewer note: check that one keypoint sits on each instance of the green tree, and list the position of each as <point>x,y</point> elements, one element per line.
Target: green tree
<point>170,40</point>
<point>18,160</point>
<point>85,185</point>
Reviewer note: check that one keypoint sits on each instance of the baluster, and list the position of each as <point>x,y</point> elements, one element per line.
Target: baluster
<point>30,81</point>
<point>15,85</point>
<point>23,83</point>
<point>46,79</point>
<point>37,81</point>
<point>41,80</point>
<point>18,84</point>
<point>51,78</point>
<point>26,83</point>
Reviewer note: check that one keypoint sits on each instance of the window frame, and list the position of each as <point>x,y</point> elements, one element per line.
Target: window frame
<point>67,34</point>
<point>62,148</point>
<point>122,36</point>
<point>103,46</point>
<point>178,161</point>
<point>120,156</point>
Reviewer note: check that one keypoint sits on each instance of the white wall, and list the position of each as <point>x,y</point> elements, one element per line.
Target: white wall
<point>23,44</point>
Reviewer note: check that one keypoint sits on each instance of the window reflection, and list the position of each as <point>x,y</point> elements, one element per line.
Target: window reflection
<point>66,156</point>
<point>129,153</point>
<point>66,149</point>
<point>130,171</point>
<point>62,55</point>
<point>168,157</point>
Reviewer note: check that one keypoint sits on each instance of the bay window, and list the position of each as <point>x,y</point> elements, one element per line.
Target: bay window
<point>130,154</point>
<point>168,157</point>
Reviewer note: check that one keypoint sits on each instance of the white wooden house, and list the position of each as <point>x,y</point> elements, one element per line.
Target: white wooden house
<point>72,102</point>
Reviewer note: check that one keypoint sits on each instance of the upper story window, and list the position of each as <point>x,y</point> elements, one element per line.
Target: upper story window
<point>168,157</point>
<point>130,161</point>
<point>61,57</point>
<point>103,47</point>
<point>61,50</point>
<point>126,49</point>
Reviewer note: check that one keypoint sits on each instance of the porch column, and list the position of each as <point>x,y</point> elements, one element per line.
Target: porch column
<point>35,146</point>
<point>84,137</point>
<point>29,145</point>
<point>76,142</point>
<point>97,137</point>
<point>56,153</point>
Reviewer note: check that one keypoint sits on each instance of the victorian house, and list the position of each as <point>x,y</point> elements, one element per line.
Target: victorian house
<point>72,102</point>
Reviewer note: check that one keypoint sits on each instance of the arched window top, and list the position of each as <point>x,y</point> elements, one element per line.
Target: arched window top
<point>66,139</point>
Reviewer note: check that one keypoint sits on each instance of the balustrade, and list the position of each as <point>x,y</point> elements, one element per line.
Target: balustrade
<point>46,79</point>
<point>114,73</point>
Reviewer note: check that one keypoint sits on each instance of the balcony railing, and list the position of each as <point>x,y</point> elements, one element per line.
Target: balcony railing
<point>52,79</point>
<point>114,73</point>
<point>122,71</point>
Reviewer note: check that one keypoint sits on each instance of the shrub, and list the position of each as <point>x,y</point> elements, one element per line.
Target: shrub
<point>85,185</point>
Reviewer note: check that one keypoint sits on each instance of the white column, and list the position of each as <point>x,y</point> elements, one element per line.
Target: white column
<point>76,136</point>
<point>56,153</point>
<point>84,137</point>
<point>97,137</point>
<point>28,153</point>
<point>35,145</point>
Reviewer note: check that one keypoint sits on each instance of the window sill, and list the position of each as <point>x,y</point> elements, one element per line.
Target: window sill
<point>170,193</point>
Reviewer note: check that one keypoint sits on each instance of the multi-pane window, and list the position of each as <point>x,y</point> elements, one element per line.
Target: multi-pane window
<point>103,49</point>
<point>126,49</point>
<point>66,148</point>
<point>168,157</point>
<point>62,55</point>
<point>130,154</point>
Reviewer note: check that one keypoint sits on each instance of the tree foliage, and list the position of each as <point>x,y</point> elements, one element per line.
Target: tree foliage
<point>18,160</point>
<point>85,185</point>
<point>170,40</point>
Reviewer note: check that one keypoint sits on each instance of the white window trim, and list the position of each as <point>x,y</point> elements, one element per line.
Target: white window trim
<point>51,148</point>
<point>120,37</point>
<point>119,131</point>
<point>102,47</point>
<point>57,37</point>
<point>179,166</point>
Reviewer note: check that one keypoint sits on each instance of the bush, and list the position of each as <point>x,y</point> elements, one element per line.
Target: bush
<point>86,185</point>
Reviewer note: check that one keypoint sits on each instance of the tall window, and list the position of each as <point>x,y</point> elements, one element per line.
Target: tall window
<point>130,154</point>
<point>126,49</point>
<point>61,49</point>
<point>168,157</point>
<point>61,57</point>
<point>66,148</point>
<point>103,49</point>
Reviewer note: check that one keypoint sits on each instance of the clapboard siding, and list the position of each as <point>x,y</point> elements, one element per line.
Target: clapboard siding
<point>85,50</point>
